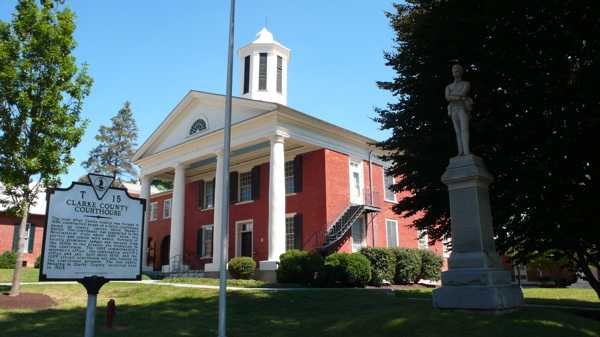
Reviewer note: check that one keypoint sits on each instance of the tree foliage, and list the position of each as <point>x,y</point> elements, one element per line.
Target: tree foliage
<point>534,67</point>
<point>41,97</point>
<point>116,146</point>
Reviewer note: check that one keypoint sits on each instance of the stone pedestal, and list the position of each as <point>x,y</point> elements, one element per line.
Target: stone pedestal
<point>475,278</point>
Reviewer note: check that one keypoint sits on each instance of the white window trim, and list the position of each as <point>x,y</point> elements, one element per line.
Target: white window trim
<point>204,193</point>
<point>153,215</point>
<point>293,176</point>
<point>239,189</point>
<point>287,216</point>
<point>189,128</point>
<point>238,241</point>
<point>169,208</point>
<point>385,188</point>
<point>361,179</point>
<point>426,238</point>
<point>387,239</point>
<point>365,234</point>
<point>204,256</point>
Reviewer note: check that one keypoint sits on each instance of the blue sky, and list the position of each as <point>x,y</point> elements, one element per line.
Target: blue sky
<point>153,52</point>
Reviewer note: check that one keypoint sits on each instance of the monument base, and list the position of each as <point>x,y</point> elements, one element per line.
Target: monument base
<point>476,279</point>
<point>493,298</point>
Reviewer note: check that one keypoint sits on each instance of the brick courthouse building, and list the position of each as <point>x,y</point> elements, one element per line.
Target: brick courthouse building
<point>295,180</point>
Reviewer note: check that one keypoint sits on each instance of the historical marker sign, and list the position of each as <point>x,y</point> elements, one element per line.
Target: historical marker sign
<point>92,230</point>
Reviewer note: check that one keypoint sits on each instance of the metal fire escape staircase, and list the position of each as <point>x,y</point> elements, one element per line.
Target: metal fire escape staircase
<point>341,226</point>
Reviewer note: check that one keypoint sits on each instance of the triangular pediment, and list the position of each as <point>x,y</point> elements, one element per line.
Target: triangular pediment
<point>196,115</point>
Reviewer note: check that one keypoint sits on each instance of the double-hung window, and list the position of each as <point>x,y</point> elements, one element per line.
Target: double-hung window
<point>245,186</point>
<point>423,239</point>
<point>167,209</point>
<point>389,194</point>
<point>391,227</point>
<point>154,211</point>
<point>290,238</point>
<point>205,241</point>
<point>209,194</point>
<point>289,177</point>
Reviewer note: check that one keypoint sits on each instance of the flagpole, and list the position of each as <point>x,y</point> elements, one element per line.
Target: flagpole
<point>225,179</point>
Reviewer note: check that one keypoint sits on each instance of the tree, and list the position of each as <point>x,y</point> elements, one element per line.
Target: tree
<point>41,97</point>
<point>533,67</point>
<point>113,155</point>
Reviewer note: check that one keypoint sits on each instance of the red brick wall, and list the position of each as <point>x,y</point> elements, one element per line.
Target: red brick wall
<point>7,228</point>
<point>325,194</point>
<point>158,230</point>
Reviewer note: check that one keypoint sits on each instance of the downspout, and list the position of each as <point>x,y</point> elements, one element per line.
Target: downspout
<point>371,197</point>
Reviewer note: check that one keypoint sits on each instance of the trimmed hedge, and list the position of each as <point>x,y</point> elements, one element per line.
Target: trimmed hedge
<point>408,265</point>
<point>8,260</point>
<point>298,266</point>
<point>242,267</point>
<point>431,265</point>
<point>383,264</point>
<point>346,270</point>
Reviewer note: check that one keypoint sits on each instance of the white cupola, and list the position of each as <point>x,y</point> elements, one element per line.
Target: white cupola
<point>263,69</point>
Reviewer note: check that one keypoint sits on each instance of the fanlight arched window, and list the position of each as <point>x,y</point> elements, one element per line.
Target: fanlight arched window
<point>198,126</point>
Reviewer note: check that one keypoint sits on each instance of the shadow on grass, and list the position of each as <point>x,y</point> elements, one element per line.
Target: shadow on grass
<point>301,313</point>
<point>551,303</point>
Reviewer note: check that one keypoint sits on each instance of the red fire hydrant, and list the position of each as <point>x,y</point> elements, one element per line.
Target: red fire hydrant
<point>111,310</point>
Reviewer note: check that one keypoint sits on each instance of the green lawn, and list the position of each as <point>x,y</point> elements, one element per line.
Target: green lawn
<point>152,310</point>
<point>27,275</point>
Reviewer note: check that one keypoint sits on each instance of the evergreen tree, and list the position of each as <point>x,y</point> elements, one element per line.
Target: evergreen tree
<point>533,67</point>
<point>116,145</point>
<point>41,98</point>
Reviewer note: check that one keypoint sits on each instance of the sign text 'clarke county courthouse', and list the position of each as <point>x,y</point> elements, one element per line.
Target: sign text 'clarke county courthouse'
<point>90,234</point>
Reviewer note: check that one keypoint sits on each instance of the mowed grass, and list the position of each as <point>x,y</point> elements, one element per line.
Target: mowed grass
<point>27,275</point>
<point>153,310</point>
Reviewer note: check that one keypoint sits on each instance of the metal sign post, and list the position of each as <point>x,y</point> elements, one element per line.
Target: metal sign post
<point>225,179</point>
<point>93,235</point>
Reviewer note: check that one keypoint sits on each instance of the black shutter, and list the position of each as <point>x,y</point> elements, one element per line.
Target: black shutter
<point>233,187</point>
<point>246,74</point>
<point>201,194</point>
<point>255,182</point>
<point>298,174</point>
<point>298,231</point>
<point>31,238</point>
<point>15,245</point>
<point>199,243</point>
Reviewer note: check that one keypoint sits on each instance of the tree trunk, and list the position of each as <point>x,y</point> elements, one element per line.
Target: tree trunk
<point>16,279</point>
<point>591,278</point>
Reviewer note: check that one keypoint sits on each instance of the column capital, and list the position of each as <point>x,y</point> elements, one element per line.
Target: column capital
<point>180,165</point>
<point>279,136</point>
<point>219,152</point>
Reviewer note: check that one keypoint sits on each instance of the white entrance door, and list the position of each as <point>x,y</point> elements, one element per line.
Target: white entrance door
<point>356,182</point>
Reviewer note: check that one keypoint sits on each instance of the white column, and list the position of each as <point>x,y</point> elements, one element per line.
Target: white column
<point>276,203</point>
<point>214,265</point>
<point>177,216</point>
<point>145,194</point>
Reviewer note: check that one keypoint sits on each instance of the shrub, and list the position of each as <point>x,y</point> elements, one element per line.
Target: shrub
<point>408,266</point>
<point>431,265</point>
<point>383,264</point>
<point>8,260</point>
<point>242,267</point>
<point>346,270</point>
<point>297,266</point>
<point>38,262</point>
